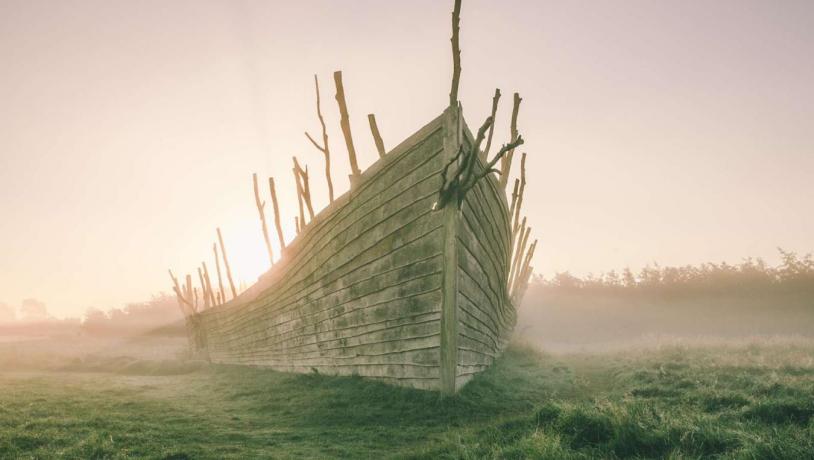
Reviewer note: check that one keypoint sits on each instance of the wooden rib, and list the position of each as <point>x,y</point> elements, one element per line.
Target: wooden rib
<point>521,251</point>
<point>264,227</point>
<point>514,198</point>
<point>516,243</point>
<point>276,214</point>
<point>297,224</point>
<point>377,137</point>
<point>183,303</point>
<point>304,187</point>
<point>226,264</point>
<point>523,278</point>
<point>344,122</point>
<point>301,222</point>
<point>221,291</point>
<point>203,289</point>
<point>209,290</point>
<point>326,152</point>
<point>506,162</point>
<point>456,53</point>
<point>188,289</point>
<point>522,189</point>
<point>495,99</point>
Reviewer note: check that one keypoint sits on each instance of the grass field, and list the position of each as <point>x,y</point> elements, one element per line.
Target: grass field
<point>728,401</point>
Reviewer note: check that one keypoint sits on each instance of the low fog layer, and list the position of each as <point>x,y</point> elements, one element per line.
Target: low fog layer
<point>707,303</point>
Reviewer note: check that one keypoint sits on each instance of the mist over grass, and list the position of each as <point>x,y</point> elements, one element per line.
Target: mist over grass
<point>707,303</point>
<point>714,361</point>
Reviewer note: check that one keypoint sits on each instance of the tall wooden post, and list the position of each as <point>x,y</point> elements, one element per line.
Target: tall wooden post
<point>203,288</point>
<point>276,214</point>
<point>299,193</point>
<point>522,190</point>
<point>324,147</point>
<point>226,264</point>
<point>506,162</point>
<point>495,100</point>
<point>456,54</point>
<point>344,122</point>
<point>208,285</point>
<point>264,227</point>
<point>377,137</point>
<point>221,292</point>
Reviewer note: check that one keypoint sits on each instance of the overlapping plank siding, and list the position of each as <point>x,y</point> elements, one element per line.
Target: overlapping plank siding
<point>486,317</point>
<point>381,285</point>
<point>360,289</point>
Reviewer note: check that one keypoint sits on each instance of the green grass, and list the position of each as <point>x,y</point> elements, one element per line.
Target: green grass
<point>677,402</point>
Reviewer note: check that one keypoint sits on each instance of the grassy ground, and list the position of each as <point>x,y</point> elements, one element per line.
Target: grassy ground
<point>745,401</point>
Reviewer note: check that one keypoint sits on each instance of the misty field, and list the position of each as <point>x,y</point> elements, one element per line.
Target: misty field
<point>747,399</point>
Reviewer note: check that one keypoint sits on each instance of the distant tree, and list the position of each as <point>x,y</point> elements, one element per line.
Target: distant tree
<point>33,310</point>
<point>7,313</point>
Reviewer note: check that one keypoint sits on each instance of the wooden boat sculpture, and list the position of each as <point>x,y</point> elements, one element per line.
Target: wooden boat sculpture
<point>411,277</point>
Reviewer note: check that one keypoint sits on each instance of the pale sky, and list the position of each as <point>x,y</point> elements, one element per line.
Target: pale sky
<point>670,131</point>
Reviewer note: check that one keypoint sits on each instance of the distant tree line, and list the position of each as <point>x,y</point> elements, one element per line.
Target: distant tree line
<point>794,275</point>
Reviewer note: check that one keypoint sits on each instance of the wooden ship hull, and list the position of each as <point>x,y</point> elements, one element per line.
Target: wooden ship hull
<point>383,283</point>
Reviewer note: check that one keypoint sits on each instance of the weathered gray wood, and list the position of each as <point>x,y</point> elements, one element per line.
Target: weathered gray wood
<point>380,285</point>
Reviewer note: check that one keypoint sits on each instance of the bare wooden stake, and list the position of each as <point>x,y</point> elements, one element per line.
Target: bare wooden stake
<point>522,189</point>
<point>301,222</point>
<point>514,199</point>
<point>189,289</point>
<point>516,251</point>
<point>520,253</point>
<point>377,138</point>
<point>226,264</point>
<point>203,288</point>
<point>495,100</point>
<point>195,295</point>
<point>324,147</point>
<point>523,268</point>
<point>209,290</point>
<point>264,227</point>
<point>276,214</point>
<point>456,53</point>
<point>522,281</point>
<point>506,162</point>
<point>221,291</point>
<point>304,188</point>
<point>183,303</point>
<point>344,122</point>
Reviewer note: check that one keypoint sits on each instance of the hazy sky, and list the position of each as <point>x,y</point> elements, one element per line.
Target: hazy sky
<point>670,131</point>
